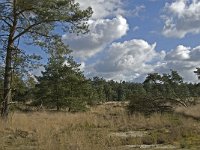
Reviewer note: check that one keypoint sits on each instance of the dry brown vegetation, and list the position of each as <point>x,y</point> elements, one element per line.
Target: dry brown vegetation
<point>98,129</point>
<point>192,111</point>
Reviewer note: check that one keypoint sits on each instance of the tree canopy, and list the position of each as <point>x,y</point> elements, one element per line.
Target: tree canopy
<point>37,21</point>
<point>62,83</point>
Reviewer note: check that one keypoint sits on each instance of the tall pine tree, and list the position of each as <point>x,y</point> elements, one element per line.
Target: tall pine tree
<point>37,21</point>
<point>62,84</point>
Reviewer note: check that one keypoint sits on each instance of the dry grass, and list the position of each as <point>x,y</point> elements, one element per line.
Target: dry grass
<point>192,111</point>
<point>91,130</point>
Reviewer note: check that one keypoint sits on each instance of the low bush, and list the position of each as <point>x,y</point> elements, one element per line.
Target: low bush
<point>148,105</point>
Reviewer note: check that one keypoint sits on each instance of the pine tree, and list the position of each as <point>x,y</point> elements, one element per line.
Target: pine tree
<point>37,21</point>
<point>62,83</point>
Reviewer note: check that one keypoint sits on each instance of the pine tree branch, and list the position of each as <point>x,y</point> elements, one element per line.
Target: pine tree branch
<point>32,26</point>
<point>6,22</point>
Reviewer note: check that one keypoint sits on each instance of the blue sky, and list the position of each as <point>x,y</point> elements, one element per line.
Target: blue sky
<point>130,38</point>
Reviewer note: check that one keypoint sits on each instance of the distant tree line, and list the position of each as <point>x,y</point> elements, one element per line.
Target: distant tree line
<point>63,85</point>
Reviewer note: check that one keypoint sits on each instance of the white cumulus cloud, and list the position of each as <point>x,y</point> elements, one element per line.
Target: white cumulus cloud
<point>133,60</point>
<point>102,32</point>
<point>110,8</point>
<point>182,17</point>
<point>180,53</point>
<point>103,8</point>
<point>127,61</point>
<point>183,59</point>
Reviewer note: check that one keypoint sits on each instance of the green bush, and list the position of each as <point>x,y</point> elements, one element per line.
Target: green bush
<point>148,105</point>
<point>76,104</point>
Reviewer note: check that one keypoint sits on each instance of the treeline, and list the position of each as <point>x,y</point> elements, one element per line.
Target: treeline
<point>63,85</point>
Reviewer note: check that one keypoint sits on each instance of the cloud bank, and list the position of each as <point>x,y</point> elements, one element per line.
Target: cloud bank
<point>182,17</point>
<point>133,59</point>
<point>127,60</point>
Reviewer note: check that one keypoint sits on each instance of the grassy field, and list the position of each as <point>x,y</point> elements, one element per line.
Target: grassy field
<point>104,127</point>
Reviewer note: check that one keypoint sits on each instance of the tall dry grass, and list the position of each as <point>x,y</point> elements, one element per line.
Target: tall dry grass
<point>88,130</point>
<point>192,111</point>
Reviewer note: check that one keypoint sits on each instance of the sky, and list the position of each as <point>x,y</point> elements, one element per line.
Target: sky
<point>130,38</point>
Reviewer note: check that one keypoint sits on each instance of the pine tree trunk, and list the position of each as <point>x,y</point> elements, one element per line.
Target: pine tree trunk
<point>8,66</point>
<point>7,83</point>
<point>58,107</point>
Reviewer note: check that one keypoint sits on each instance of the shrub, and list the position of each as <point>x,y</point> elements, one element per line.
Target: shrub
<point>76,104</point>
<point>148,140</point>
<point>148,105</point>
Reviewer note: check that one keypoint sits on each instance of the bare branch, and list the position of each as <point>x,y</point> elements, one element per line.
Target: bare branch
<point>8,18</point>
<point>24,10</point>
<point>39,33</point>
<point>27,29</point>
<point>179,101</point>
<point>35,32</point>
<point>32,26</point>
<point>5,21</point>
<point>3,35</point>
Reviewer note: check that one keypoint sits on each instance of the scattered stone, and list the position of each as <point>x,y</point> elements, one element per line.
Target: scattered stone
<point>130,134</point>
<point>155,146</point>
